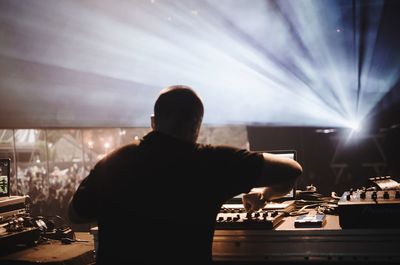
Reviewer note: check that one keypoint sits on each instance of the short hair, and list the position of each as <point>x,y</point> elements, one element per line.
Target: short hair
<point>179,107</point>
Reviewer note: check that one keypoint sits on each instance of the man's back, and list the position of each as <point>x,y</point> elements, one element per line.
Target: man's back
<point>158,201</point>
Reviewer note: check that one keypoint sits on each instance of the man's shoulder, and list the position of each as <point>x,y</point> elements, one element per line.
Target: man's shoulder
<point>123,151</point>
<point>211,147</point>
<point>222,150</point>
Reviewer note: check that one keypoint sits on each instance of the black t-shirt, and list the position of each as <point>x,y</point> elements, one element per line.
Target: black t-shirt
<point>158,200</point>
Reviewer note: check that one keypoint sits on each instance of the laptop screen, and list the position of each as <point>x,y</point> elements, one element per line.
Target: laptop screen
<point>5,177</point>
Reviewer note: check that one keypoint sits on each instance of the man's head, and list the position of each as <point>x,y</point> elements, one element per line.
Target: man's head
<point>178,112</point>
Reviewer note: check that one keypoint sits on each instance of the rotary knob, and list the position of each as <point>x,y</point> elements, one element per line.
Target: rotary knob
<point>236,218</point>
<point>386,195</point>
<point>248,216</point>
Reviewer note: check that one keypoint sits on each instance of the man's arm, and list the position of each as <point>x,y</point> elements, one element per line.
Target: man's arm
<point>83,205</point>
<point>278,177</point>
<point>76,218</point>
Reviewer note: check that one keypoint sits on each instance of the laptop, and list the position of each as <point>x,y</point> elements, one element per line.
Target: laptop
<point>285,202</point>
<point>10,206</point>
<point>5,177</point>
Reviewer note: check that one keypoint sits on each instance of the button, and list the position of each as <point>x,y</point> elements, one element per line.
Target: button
<point>363,195</point>
<point>374,195</point>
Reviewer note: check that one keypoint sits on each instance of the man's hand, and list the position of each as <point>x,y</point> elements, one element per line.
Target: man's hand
<point>253,201</point>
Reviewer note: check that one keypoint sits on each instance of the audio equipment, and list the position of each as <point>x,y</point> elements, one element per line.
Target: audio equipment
<point>17,232</point>
<point>16,228</point>
<point>5,164</point>
<point>312,219</point>
<point>369,209</point>
<point>238,218</point>
<point>13,206</point>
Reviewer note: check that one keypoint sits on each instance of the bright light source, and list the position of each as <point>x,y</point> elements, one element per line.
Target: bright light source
<point>325,131</point>
<point>355,126</point>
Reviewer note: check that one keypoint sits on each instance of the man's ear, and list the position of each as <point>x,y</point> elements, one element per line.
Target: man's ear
<point>153,122</point>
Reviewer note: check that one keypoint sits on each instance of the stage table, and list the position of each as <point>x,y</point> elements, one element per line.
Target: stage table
<point>54,252</point>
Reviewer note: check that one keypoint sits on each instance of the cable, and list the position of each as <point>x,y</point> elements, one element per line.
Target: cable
<point>302,210</point>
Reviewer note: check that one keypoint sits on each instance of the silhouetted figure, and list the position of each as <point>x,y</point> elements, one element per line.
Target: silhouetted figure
<point>156,202</point>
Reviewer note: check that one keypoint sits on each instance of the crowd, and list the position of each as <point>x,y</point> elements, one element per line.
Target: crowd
<point>50,194</point>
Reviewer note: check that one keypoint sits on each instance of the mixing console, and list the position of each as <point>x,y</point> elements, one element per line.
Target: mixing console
<point>369,209</point>
<point>238,218</point>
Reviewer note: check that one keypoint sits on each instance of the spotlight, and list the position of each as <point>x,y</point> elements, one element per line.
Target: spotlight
<point>355,126</point>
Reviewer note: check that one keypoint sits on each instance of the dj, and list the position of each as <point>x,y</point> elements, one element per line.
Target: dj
<point>157,201</point>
